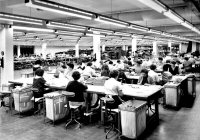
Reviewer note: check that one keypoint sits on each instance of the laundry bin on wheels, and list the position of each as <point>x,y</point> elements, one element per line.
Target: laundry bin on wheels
<point>55,102</point>
<point>191,85</point>
<point>133,118</point>
<point>172,96</point>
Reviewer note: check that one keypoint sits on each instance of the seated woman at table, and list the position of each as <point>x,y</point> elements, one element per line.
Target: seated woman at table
<point>113,89</point>
<point>187,65</point>
<point>105,70</point>
<point>166,75</point>
<point>153,74</point>
<point>144,78</point>
<point>88,71</point>
<point>78,88</point>
<point>174,69</point>
<point>138,67</point>
<point>68,72</point>
<point>37,65</point>
<point>39,83</point>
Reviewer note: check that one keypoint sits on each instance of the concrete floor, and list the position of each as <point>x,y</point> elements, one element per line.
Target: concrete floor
<point>183,124</point>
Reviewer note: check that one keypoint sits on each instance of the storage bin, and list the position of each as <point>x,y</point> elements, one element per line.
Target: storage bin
<point>55,103</point>
<point>22,99</point>
<point>133,118</point>
<point>172,94</point>
<point>191,86</point>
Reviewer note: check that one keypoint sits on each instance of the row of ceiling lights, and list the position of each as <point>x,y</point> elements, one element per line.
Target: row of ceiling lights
<point>22,19</point>
<point>154,4</point>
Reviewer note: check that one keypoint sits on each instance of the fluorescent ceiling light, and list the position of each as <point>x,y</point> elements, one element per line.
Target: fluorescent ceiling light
<point>20,19</point>
<point>187,25</point>
<point>111,21</point>
<point>101,31</point>
<point>139,28</point>
<point>154,4</point>
<point>122,34</point>
<point>174,16</point>
<point>68,33</point>
<point>166,34</point>
<point>32,29</point>
<point>155,31</point>
<point>58,8</point>
<point>90,34</point>
<point>65,26</point>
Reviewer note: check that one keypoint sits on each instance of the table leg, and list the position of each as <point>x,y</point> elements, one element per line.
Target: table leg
<point>156,110</point>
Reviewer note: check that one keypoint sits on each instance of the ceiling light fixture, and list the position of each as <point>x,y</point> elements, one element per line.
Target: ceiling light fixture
<point>154,4</point>
<point>20,19</point>
<point>155,31</point>
<point>32,29</point>
<point>101,31</point>
<point>108,20</point>
<point>58,8</point>
<point>60,32</point>
<point>187,24</point>
<point>65,26</point>
<point>90,34</point>
<point>137,27</point>
<point>174,16</point>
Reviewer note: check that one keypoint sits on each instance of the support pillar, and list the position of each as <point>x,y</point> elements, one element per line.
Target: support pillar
<point>103,48</point>
<point>180,47</point>
<point>96,46</point>
<point>155,48</point>
<point>6,46</point>
<point>77,50</point>
<point>170,46</point>
<point>133,46</point>
<point>18,50</point>
<point>44,49</point>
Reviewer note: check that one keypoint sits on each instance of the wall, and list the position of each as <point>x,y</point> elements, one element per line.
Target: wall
<point>184,48</point>
<point>53,49</point>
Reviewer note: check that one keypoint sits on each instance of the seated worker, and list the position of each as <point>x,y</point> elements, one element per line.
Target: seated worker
<point>113,89</point>
<point>168,65</point>
<point>187,65</point>
<point>129,62</point>
<point>153,74</point>
<point>105,70</point>
<point>144,78</point>
<point>88,71</point>
<point>78,88</point>
<point>39,83</point>
<point>68,72</point>
<point>160,63</point>
<point>37,65</point>
<point>174,69</point>
<point>138,67</point>
<point>166,75</point>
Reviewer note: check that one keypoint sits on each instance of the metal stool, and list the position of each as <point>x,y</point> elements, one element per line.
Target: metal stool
<point>73,109</point>
<point>108,113</point>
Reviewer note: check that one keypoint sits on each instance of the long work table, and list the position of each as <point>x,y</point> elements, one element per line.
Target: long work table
<point>148,93</point>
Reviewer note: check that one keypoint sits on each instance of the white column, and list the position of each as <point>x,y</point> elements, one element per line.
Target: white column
<point>124,47</point>
<point>170,46</point>
<point>96,46</point>
<point>103,48</point>
<point>6,46</point>
<point>44,49</point>
<point>18,50</point>
<point>134,46</point>
<point>77,50</point>
<point>155,48</point>
<point>180,47</point>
